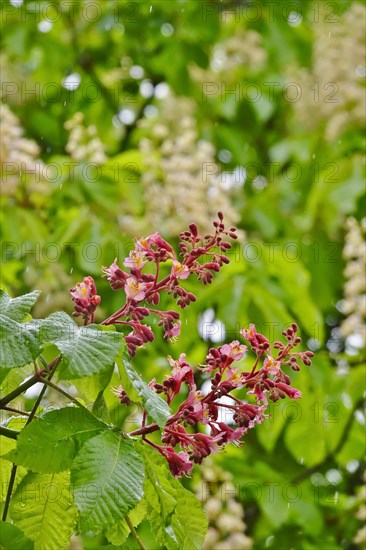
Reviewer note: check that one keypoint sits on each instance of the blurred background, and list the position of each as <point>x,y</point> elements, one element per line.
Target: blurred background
<point>119,119</point>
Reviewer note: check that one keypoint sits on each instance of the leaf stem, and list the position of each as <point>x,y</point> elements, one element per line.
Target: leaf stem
<point>63,392</point>
<point>135,534</point>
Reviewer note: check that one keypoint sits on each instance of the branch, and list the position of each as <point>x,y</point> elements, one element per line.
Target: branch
<point>145,430</point>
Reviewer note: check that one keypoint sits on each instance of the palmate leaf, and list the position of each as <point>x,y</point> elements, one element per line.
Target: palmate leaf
<point>19,342</point>
<point>43,509</point>
<point>17,308</point>
<point>49,443</point>
<point>156,407</point>
<point>85,350</point>
<point>107,478</point>
<point>175,515</point>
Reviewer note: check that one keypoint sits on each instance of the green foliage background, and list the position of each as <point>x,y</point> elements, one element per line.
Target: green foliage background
<point>298,475</point>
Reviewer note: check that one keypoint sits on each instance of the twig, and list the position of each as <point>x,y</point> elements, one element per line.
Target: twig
<point>135,534</point>
<point>64,393</point>
<point>20,389</point>
<point>28,384</point>
<point>145,430</point>
<point>13,473</point>
<point>17,411</point>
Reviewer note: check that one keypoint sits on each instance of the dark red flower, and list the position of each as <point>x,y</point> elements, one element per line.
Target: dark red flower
<point>179,463</point>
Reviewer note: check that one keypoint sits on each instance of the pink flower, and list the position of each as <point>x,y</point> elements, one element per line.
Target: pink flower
<point>177,435</point>
<point>143,245</point>
<point>191,410</point>
<point>258,342</point>
<point>271,365</point>
<point>85,298</point>
<point>156,240</point>
<point>135,290</point>
<point>259,394</point>
<point>173,331</point>
<point>179,463</point>
<point>182,372</point>
<point>225,434</point>
<point>288,390</point>
<point>234,350</point>
<point>246,415</point>
<point>114,274</point>
<point>234,377</point>
<point>202,446</point>
<point>178,363</point>
<point>135,260</point>
<point>179,271</point>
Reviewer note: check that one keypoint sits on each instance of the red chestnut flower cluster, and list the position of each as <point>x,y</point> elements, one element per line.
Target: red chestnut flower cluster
<point>196,429</point>
<point>142,290</point>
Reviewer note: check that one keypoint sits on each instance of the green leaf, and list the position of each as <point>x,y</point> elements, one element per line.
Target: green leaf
<point>17,308</point>
<point>85,350</point>
<point>175,515</point>
<point>189,521</point>
<point>19,343</point>
<point>125,379</point>
<point>120,531</point>
<point>90,387</point>
<point>161,498</point>
<point>107,477</point>
<point>7,445</point>
<point>156,407</point>
<point>49,443</point>
<point>12,537</point>
<point>42,507</point>
<point>10,379</point>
